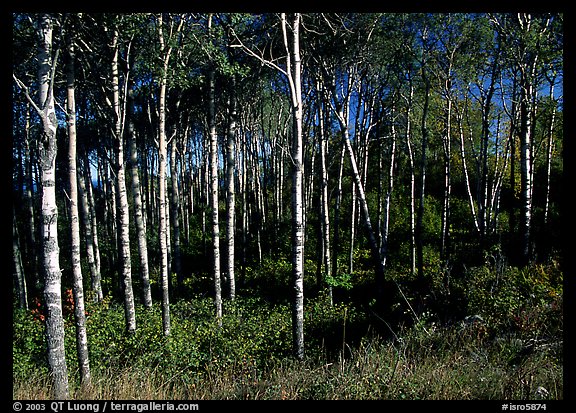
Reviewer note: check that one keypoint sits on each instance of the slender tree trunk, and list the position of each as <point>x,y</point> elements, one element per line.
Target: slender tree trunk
<point>412,179</point>
<point>293,65</point>
<point>214,187</point>
<point>31,233</point>
<point>230,199</point>
<point>243,191</point>
<point>95,277</point>
<point>94,224</point>
<point>379,270</point>
<point>49,212</point>
<point>21,289</point>
<point>466,175</point>
<point>419,218</point>
<point>162,159</point>
<point>175,222</point>
<point>324,210</point>
<point>122,197</point>
<point>549,151</point>
<point>445,240</point>
<point>387,198</point>
<point>337,203</point>
<point>375,252</point>
<point>78,287</point>
<point>526,170</point>
<point>138,209</point>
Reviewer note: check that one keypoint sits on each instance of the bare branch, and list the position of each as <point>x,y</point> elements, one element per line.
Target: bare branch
<point>253,54</point>
<point>24,88</point>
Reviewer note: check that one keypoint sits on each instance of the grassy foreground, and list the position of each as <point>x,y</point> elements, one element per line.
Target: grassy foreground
<point>513,351</point>
<point>375,370</point>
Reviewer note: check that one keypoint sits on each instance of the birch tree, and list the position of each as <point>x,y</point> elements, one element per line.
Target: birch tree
<point>230,198</point>
<point>78,287</point>
<point>49,212</point>
<point>166,47</point>
<point>137,199</point>
<point>121,193</point>
<point>213,153</point>
<point>292,73</point>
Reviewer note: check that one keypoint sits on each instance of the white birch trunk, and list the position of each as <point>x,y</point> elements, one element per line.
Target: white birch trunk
<point>49,210</point>
<point>230,200</point>
<point>122,197</point>
<point>78,287</point>
<point>214,195</point>
<point>163,218</point>
<point>138,209</point>
<point>293,65</point>
<point>214,187</point>
<point>95,278</point>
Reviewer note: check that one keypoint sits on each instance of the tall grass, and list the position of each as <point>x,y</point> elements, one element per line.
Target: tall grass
<point>449,363</point>
<point>513,351</point>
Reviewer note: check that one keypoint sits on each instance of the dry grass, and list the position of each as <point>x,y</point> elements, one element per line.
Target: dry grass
<point>374,370</point>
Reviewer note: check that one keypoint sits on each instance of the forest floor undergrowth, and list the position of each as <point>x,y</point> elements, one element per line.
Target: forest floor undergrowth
<point>509,346</point>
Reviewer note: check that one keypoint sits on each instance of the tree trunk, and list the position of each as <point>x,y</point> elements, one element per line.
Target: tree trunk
<point>375,252</point>
<point>445,236</point>
<point>419,218</point>
<point>138,209</point>
<point>324,210</point>
<point>95,276</point>
<point>175,222</point>
<point>466,175</point>
<point>337,204</point>
<point>18,268</point>
<point>122,197</point>
<point>549,151</point>
<point>412,179</point>
<point>526,170</point>
<point>78,287</point>
<point>293,65</point>
<point>387,198</point>
<point>230,199</point>
<point>214,187</point>
<point>31,230</point>
<point>162,159</point>
<point>49,211</point>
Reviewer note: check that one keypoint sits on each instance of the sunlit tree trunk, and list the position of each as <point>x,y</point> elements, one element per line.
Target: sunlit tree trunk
<point>419,231</point>
<point>138,209</point>
<point>337,204</point>
<point>388,196</point>
<point>549,150</point>
<point>293,65</point>
<point>471,204</point>
<point>230,199</point>
<point>175,213</point>
<point>214,187</point>
<point>162,160</point>
<point>121,193</point>
<point>324,202</point>
<point>49,212</point>
<point>412,178</point>
<point>77,281</point>
<point>95,276</point>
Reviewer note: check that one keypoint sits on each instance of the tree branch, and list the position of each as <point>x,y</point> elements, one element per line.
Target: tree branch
<point>24,88</point>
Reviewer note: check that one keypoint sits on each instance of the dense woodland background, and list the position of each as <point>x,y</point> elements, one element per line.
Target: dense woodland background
<point>230,188</point>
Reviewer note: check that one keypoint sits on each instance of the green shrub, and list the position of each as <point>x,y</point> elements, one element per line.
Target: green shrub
<point>526,299</point>
<point>28,345</point>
